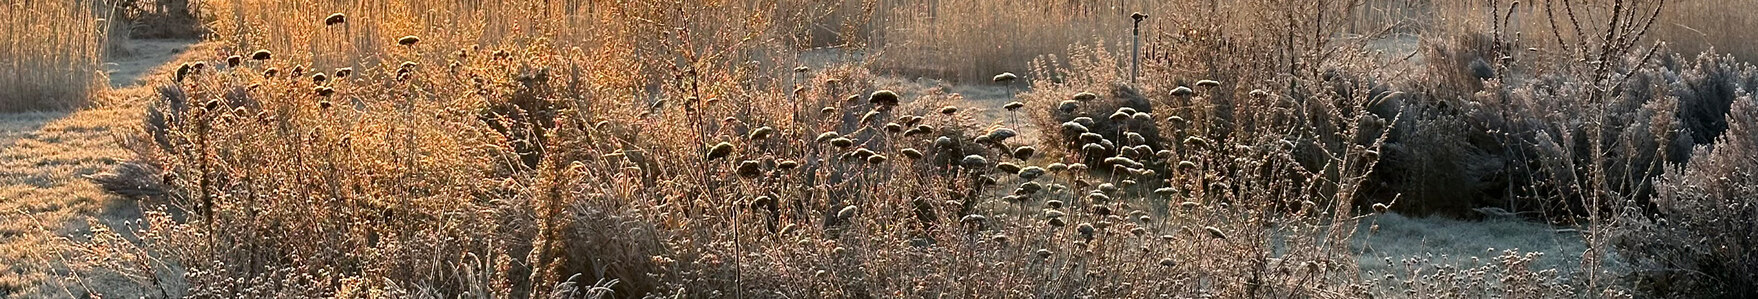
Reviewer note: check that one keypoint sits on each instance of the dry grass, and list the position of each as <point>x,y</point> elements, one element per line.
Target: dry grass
<point>51,51</point>
<point>591,149</point>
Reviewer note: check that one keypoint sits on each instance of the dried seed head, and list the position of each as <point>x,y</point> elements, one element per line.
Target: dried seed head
<point>1091,137</point>
<point>762,133</point>
<point>1142,117</point>
<point>1135,138</point>
<point>319,78</point>
<point>786,165</point>
<point>1058,167</point>
<point>1259,93</point>
<point>1138,231</point>
<point>1380,208</point>
<point>1085,96</point>
<point>893,127</point>
<point>802,69</point>
<point>944,142</point>
<point>1053,213</point>
<point>750,168</point>
<point>270,73</point>
<point>1208,83</point>
<point>324,91</point>
<point>1058,222</point>
<point>1013,106</point>
<point>335,18</point>
<point>827,110</point>
<point>1043,253</point>
<point>1086,229</point>
<point>1182,91</point>
<point>1030,188</point>
<point>261,55</point>
<point>1004,78</point>
<point>1001,134</point>
<point>1167,191</point>
<point>234,60</point>
<point>911,153</point>
<point>1077,167</point>
<point>1168,262</point>
<point>949,110</point>
<point>1068,106</point>
<point>1093,148</point>
<point>876,159</point>
<point>1053,204</point>
<point>847,212</point>
<point>1007,167</point>
<point>974,161</point>
<point>883,98</point>
<point>1031,173</point>
<point>1075,128</point>
<point>827,136</point>
<point>1119,116</point>
<point>408,40</point>
<point>720,150</point>
<point>842,142</point>
<point>1196,141</point>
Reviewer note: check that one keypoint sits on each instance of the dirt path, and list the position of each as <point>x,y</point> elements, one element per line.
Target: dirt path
<point>43,155</point>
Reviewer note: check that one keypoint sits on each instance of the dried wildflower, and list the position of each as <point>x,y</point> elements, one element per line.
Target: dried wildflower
<point>408,40</point>
<point>1077,167</point>
<point>1208,83</point>
<point>1053,213</point>
<point>893,127</point>
<point>1043,253</point>
<point>1142,117</point>
<point>1119,116</point>
<point>261,55</point>
<point>1058,222</point>
<point>1189,205</point>
<point>1182,91</point>
<point>1098,197</point>
<point>1007,167</point>
<point>876,159</point>
<point>762,133</point>
<point>1030,188</point>
<point>1031,173</point>
<point>319,78</point>
<point>1167,262</point>
<point>324,105</point>
<point>869,116</point>
<point>1093,148</point>
<point>335,18</point>
<point>1057,167</point>
<point>1001,134</point>
<point>234,60</point>
<point>827,136</point>
<point>1259,93</point>
<point>827,110</point>
<point>1091,137</point>
<point>1175,120</point>
<point>344,72</point>
<point>1085,96</point>
<point>1004,78</point>
<point>1013,106</point>
<point>998,238</point>
<point>974,161</point>
<point>842,142</point>
<point>944,142</point>
<point>1073,127</point>
<point>847,212</point>
<point>1380,208</point>
<point>720,150</point>
<point>786,165</point>
<point>802,69</point>
<point>182,72</point>
<point>883,98</point>
<point>949,110</point>
<point>911,153</point>
<point>270,73</point>
<point>750,168</point>
<point>1135,138</point>
<point>1086,230</point>
<point>1053,204</point>
<point>324,91</point>
<point>1138,231</point>
<point>1196,141</point>
<point>1068,106</point>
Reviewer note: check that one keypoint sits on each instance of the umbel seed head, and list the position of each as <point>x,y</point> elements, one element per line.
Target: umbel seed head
<point>1005,78</point>
<point>949,110</point>
<point>234,60</point>
<point>1208,83</point>
<point>335,18</point>
<point>1013,106</point>
<point>343,72</point>
<point>410,40</point>
<point>720,150</point>
<point>261,55</point>
<point>847,212</point>
<point>883,98</point>
<point>1182,91</point>
<point>1085,96</point>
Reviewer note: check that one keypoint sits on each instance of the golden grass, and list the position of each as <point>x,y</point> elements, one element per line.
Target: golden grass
<point>51,51</point>
<point>542,149</point>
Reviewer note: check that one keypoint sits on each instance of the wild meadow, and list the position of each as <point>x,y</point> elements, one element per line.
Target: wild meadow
<point>902,148</point>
